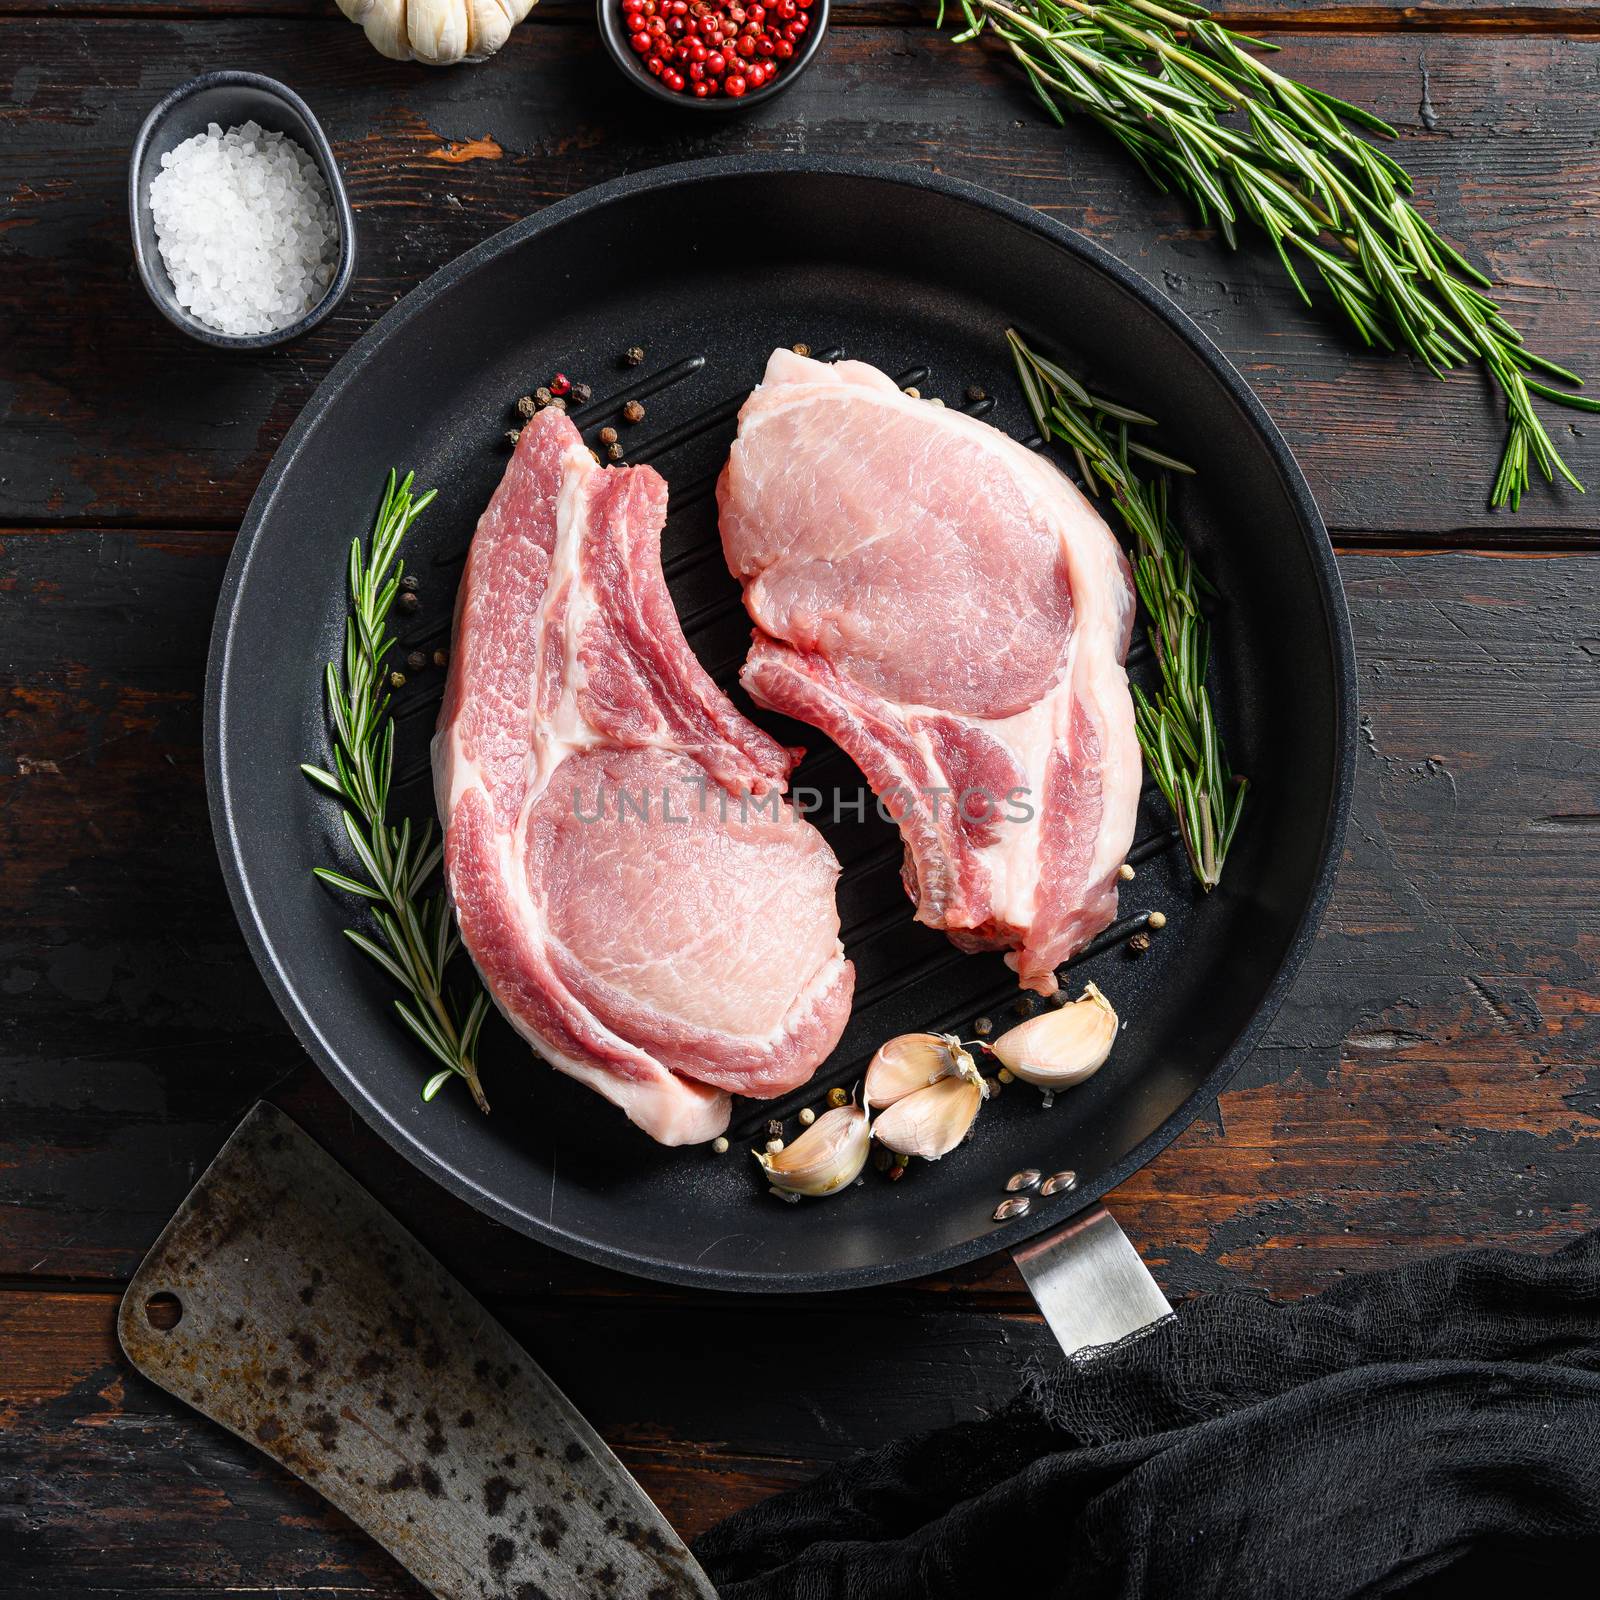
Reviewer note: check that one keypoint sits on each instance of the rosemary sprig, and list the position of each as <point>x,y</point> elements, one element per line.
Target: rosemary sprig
<point>1202,115</point>
<point>1176,729</point>
<point>416,934</point>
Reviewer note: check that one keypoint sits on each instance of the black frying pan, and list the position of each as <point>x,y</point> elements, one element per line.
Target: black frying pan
<point>709,266</point>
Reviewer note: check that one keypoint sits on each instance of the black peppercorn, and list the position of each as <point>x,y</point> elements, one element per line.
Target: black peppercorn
<point>441,658</point>
<point>634,355</point>
<point>558,404</point>
<point>582,393</point>
<point>526,407</point>
<point>633,412</point>
<point>416,661</point>
<point>411,583</point>
<point>614,451</point>
<point>975,394</point>
<point>1138,944</point>
<point>409,601</point>
<point>542,397</point>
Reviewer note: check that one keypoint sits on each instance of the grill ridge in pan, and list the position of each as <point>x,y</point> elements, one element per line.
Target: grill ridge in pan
<point>914,273</point>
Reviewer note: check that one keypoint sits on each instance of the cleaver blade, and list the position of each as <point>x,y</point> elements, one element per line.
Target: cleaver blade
<point>285,1303</point>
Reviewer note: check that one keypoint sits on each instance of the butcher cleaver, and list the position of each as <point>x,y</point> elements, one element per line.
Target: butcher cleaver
<point>285,1303</point>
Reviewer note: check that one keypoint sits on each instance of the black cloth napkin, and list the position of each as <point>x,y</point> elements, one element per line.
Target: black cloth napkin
<point>1433,1429</point>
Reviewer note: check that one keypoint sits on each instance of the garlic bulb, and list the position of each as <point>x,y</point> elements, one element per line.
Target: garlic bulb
<point>437,33</point>
<point>1061,1047</point>
<point>909,1062</point>
<point>934,1120</point>
<point>827,1157</point>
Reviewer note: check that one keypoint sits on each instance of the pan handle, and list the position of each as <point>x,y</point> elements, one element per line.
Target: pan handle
<point>1090,1282</point>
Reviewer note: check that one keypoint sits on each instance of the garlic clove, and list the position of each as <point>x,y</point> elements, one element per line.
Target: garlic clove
<point>437,31</point>
<point>932,1121</point>
<point>1063,1046</point>
<point>384,22</point>
<point>909,1062</point>
<point>827,1157</point>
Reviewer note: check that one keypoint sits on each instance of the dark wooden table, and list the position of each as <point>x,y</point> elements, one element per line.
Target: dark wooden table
<point>1433,1081</point>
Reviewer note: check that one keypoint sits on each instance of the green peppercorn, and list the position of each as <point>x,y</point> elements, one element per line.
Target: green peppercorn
<point>614,451</point>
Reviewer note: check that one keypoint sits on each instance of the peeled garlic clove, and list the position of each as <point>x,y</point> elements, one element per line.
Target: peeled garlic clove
<point>1061,1047</point>
<point>931,1122</point>
<point>909,1062</point>
<point>827,1157</point>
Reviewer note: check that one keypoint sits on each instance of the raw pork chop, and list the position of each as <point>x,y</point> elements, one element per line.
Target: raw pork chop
<point>639,917</point>
<point>951,611</point>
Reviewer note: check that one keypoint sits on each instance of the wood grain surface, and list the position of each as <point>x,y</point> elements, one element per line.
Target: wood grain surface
<point>1432,1081</point>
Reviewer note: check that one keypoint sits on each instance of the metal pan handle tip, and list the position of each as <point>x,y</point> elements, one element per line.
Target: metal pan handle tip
<point>1090,1283</point>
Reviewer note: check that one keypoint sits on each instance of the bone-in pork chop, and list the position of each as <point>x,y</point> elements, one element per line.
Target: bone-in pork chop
<point>642,905</point>
<point>955,615</point>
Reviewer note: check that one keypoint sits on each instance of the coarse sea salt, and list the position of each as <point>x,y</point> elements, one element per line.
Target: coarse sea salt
<point>246,228</point>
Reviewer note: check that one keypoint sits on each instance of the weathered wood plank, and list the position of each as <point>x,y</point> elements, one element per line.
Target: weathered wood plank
<point>1567,16</point>
<point>110,416</point>
<point>1432,1080</point>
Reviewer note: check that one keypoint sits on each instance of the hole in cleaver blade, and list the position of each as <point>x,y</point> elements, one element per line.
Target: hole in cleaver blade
<point>294,1310</point>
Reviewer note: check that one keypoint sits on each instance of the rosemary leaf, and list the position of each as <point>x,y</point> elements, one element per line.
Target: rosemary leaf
<point>1176,728</point>
<point>416,939</point>
<point>1195,105</point>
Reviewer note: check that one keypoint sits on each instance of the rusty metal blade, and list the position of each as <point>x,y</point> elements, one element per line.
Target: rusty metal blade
<point>311,1324</point>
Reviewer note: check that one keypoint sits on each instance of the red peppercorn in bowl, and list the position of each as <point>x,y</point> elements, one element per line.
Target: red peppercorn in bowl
<point>712,55</point>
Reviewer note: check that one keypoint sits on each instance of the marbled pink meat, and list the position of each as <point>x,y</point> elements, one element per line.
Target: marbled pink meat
<point>642,905</point>
<point>952,612</point>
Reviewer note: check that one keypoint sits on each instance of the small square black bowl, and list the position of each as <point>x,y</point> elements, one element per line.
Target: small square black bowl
<point>230,99</point>
<point>615,34</point>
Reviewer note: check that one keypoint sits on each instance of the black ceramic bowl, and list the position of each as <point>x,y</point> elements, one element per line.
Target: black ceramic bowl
<point>631,66</point>
<point>229,99</point>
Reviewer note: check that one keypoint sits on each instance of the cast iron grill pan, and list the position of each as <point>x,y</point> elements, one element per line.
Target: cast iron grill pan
<point>919,276</point>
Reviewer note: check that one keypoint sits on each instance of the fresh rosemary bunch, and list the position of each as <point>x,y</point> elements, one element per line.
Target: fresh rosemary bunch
<point>1176,729</point>
<point>416,935</point>
<point>1201,115</point>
